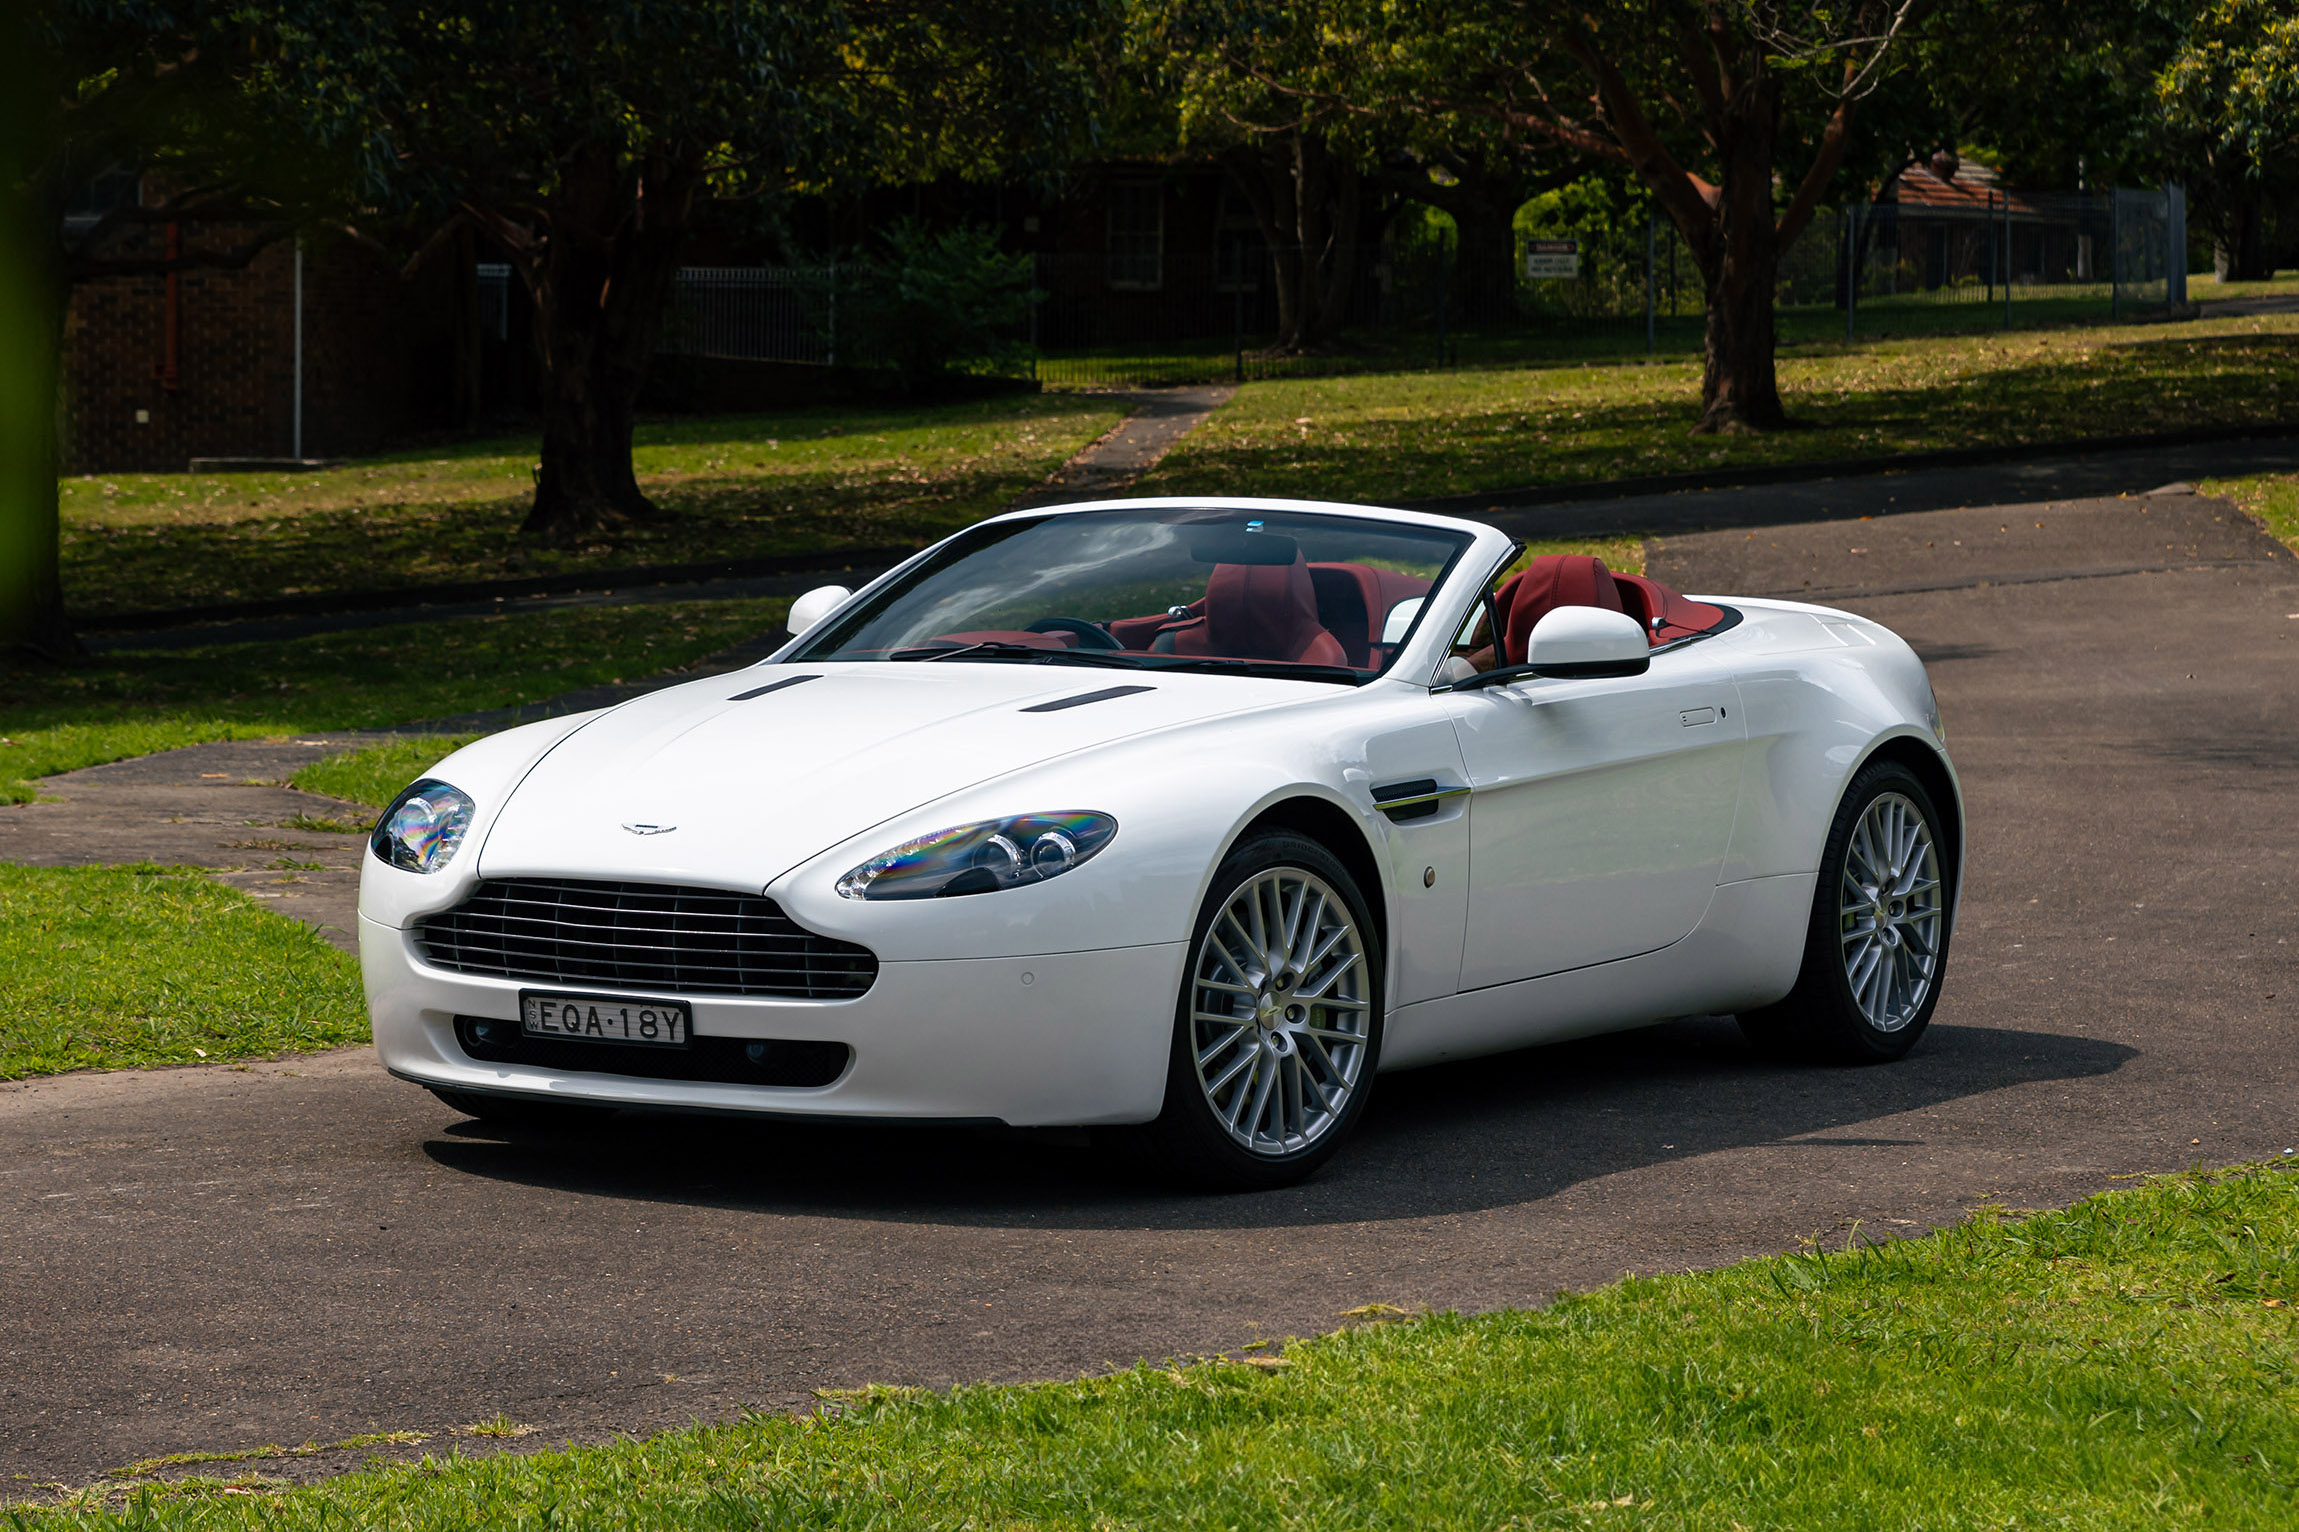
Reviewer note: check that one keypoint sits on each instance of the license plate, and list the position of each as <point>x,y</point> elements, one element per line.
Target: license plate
<point>598,1019</point>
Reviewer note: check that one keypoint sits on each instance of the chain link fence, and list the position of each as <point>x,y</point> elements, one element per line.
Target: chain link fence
<point>1923,264</point>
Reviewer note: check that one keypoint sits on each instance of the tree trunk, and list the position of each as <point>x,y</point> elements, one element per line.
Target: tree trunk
<point>33,293</point>
<point>1307,207</point>
<point>1739,259</point>
<point>600,287</point>
<point>2241,255</point>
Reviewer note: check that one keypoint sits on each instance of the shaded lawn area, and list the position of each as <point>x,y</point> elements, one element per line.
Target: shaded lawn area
<point>123,704</point>
<point>2124,1363</point>
<point>1414,436</point>
<point>125,967</point>
<point>735,487</point>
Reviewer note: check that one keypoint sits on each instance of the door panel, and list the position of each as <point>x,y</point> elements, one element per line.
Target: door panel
<point>1600,814</point>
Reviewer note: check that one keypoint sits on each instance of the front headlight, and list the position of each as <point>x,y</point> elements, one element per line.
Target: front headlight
<point>981,858</point>
<point>423,826</point>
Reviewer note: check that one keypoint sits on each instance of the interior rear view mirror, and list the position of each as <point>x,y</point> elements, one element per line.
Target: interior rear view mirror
<point>1580,642</point>
<point>815,605</point>
<point>1242,545</point>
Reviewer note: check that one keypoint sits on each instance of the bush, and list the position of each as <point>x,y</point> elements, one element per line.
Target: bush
<point>937,302</point>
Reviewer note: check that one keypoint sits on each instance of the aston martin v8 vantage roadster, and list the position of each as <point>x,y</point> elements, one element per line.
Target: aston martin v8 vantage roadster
<point>1188,814</point>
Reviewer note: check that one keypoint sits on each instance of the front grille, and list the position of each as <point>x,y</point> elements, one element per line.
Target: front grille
<point>788,1062</point>
<point>644,936</point>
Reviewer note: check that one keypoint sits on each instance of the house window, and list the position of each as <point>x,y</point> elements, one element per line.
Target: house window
<point>1137,234</point>
<point>1238,250</point>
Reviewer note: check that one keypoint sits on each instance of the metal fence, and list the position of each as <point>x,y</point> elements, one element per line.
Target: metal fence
<point>1973,260</point>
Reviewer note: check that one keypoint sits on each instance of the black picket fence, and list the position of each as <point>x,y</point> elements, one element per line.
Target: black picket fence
<point>1964,260</point>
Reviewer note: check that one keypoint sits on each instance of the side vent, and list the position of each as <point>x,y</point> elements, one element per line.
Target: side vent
<point>1418,799</point>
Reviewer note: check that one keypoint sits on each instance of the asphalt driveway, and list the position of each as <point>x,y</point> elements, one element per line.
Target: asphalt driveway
<point>212,1259</point>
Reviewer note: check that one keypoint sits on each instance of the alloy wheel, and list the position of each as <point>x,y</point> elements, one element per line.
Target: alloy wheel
<point>1280,1011</point>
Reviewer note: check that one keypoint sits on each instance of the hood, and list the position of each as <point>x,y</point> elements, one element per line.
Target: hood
<point>750,778</point>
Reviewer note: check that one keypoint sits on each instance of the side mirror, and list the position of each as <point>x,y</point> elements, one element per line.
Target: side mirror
<point>1400,619</point>
<point>1577,643</point>
<point>815,605</point>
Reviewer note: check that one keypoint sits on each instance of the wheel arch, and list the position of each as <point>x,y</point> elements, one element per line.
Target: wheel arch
<point>1931,769</point>
<point>1334,828</point>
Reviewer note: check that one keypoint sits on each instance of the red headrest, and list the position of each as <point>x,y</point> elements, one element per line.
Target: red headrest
<point>1548,582</point>
<point>1261,612</point>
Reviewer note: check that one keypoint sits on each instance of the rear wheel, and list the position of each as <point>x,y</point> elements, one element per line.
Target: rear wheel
<point>521,1111</point>
<point>1278,1030</point>
<point>1877,947</point>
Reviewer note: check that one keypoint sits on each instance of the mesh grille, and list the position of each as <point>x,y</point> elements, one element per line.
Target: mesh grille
<point>645,936</point>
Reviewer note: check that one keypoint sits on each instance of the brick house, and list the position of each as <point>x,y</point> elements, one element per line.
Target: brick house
<point>159,370</point>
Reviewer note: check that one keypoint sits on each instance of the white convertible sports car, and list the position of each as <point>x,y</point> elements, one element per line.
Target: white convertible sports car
<point>1188,813</point>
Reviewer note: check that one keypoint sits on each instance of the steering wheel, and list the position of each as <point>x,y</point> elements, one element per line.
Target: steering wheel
<point>1090,635</point>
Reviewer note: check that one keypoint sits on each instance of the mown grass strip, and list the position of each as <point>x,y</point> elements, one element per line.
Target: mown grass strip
<point>2271,497</point>
<point>121,704</point>
<point>123,967</point>
<point>2125,1363</point>
<point>371,777</point>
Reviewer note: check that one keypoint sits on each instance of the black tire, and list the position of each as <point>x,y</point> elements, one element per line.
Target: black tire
<point>1822,1019</point>
<point>525,1112</point>
<point>1191,1138</point>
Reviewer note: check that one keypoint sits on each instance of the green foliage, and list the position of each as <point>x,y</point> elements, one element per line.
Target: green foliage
<point>124,967</point>
<point>939,301</point>
<point>372,777</point>
<point>2124,1363</point>
<point>2234,83</point>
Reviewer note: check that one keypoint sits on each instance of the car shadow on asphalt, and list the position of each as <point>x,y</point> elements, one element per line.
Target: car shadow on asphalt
<point>1451,1139</point>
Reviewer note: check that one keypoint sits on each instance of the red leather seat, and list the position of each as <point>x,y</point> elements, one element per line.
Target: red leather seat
<point>1353,602</point>
<point>1647,600</point>
<point>1260,612</point>
<point>1546,583</point>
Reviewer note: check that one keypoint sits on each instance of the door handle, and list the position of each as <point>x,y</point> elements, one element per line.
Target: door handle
<point>1694,716</point>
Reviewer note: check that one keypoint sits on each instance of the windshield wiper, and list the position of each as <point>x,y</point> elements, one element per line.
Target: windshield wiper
<point>1004,649</point>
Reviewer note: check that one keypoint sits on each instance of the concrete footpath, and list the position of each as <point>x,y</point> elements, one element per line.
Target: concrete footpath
<point>212,1259</point>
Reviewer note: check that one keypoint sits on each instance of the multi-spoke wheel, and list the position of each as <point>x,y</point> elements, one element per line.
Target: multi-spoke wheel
<point>1878,944</point>
<point>1280,1019</point>
<point>1889,896</point>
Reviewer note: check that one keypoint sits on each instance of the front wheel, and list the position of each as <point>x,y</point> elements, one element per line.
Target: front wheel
<point>1278,1030</point>
<point>1877,947</point>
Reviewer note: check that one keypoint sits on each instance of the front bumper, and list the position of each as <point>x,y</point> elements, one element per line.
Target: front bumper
<point>1073,1038</point>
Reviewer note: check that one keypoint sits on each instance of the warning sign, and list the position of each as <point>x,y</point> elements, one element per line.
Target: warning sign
<point>1549,260</point>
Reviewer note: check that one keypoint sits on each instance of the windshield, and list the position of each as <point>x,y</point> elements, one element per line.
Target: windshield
<point>1263,592</point>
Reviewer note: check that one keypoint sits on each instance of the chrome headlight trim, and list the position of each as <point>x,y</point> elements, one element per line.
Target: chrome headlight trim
<point>983,857</point>
<point>423,827</point>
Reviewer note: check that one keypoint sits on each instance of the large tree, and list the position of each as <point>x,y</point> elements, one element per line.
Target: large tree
<point>2230,94</point>
<point>1734,114</point>
<point>583,136</point>
<point>247,119</point>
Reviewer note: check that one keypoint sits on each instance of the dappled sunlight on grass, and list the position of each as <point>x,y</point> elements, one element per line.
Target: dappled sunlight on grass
<point>1412,436</point>
<point>733,487</point>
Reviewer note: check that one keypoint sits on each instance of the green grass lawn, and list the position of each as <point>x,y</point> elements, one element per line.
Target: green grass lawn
<point>1416,435</point>
<point>124,704</point>
<point>371,777</point>
<point>2126,1363</point>
<point>2272,497</point>
<point>736,486</point>
<point>122,967</point>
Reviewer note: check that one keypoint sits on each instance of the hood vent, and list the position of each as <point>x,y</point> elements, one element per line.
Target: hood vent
<point>1083,698</point>
<point>771,686</point>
